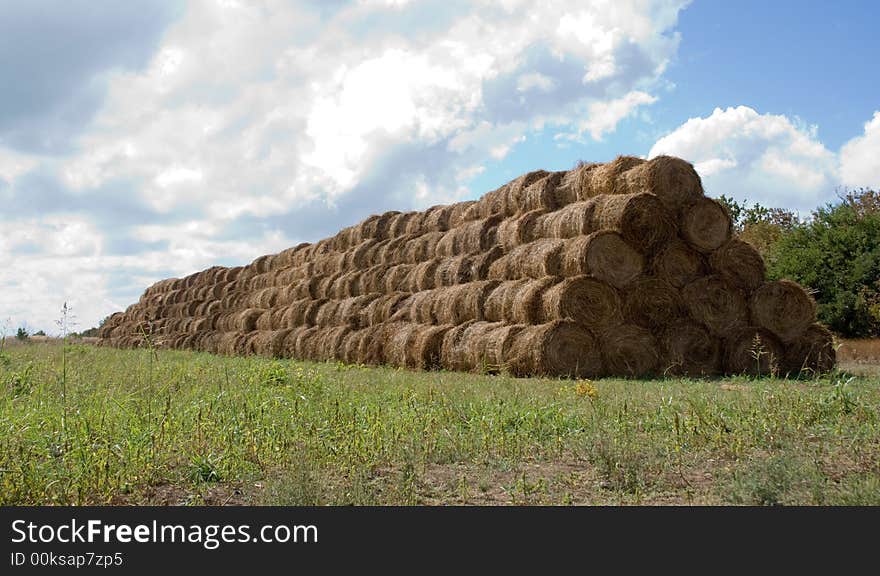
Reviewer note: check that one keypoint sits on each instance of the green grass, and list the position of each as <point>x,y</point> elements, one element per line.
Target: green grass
<point>187,428</point>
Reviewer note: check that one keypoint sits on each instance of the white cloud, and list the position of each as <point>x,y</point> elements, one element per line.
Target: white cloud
<point>766,158</point>
<point>604,116</point>
<point>860,157</point>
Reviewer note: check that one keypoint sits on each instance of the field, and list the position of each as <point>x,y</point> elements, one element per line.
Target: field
<point>88,425</point>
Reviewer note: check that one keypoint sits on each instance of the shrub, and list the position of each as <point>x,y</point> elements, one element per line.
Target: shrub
<point>837,255</point>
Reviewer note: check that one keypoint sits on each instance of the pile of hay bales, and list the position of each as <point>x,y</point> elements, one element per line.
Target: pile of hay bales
<point>623,268</point>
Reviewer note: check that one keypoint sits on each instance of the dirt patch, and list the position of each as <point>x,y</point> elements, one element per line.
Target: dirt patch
<point>178,495</point>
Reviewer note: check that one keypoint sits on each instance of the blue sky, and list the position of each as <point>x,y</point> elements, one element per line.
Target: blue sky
<point>154,138</point>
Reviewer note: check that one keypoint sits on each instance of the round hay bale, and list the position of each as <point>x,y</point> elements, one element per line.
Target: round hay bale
<point>437,218</point>
<point>397,278</point>
<point>399,345</point>
<point>470,237</point>
<point>246,320</point>
<point>721,306</point>
<point>426,346</point>
<point>457,304</point>
<point>325,286</point>
<point>752,350</point>
<point>453,271</point>
<point>784,308</point>
<point>399,223</point>
<point>583,299</point>
<point>518,230</point>
<point>739,263</point>
<point>605,178</point>
<point>351,345</point>
<point>373,344</point>
<point>689,349</point>
<point>459,211</point>
<point>533,260</point>
<point>305,346</point>
<point>629,350</point>
<point>573,220</point>
<point>706,225</point>
<point>481,263</point>
<point>421,248</point>
<point>453,353</point>
<point>330,345</point>
<point>673,180</point>
<point>423,276</point>
<point>575,183</point>
<point>811,353</point>
<point>640,218</point>
<point>518,301</point>
<point>264,322</point>
<point>326,316</point>
<point>288,345</point>
<point>652,303</point>
<point>349,312</point>
<point>678,263</point>
<point>416,225</point>
<point>558,348</point>
<point>539,195</point>
<point>420,308</point>
<point>383,308</point>
<point>605,255</point>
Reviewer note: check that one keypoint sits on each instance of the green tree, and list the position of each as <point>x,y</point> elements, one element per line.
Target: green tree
<point>760,226</point>
<point>22,333</point>
<point>837,255</point>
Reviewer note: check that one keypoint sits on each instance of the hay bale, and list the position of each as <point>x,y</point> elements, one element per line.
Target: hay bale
<point>397,278</point>
<point>605,255</point>
<point>689,349</point>
<point>302,312</point>
<point>453,271</point>
<point>539,195</point>
<point>719,305</point>
<point>351,344</point>
<point>419,249</point>
<point>576,219</point>
<point>499,305</point>
<point>752,350</point>
<point>373,344</point>
<point>326,316</point>
<point>399,223</point>
<point>459,211</point>
<point>517,230</point>
<point>474,236</point>
<point>288,345</point>
<point>457,304</point>
<point>523,305</point>
<point>641,219</point>
<point>423,276</point>
<point>784,308</point>
<point>246,320</point>
<point>453,351</point>
<point>583,299</point>
<point>383,308</point>
<point>677,263</point>
<point>269,343</point>
<point>533,260</point>
<point>399,345</point>
<point>558,348</point>
<point>481,263</point>
<point>739,263</point>
<point>606,178</point>
<point>420,308</point>
<point>629,350</point>
<point>426,346</point>
<point>373,279</point>
<point>673,180</point>
<point>437,218</point>
<point>706,225</point>
<point>811,353</point>
<point>652,303</point>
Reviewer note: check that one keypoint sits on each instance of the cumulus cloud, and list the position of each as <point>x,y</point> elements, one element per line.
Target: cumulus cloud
<point>860,157</point>
<point>237,128</point>
<point>766,158</point>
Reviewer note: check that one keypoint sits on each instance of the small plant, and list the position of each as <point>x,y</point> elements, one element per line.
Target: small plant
<point>204,468</point>
<point>274,374</point>
<point>586,388</point>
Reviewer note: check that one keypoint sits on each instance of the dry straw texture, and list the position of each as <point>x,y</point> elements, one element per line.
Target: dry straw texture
<point>622,268</point>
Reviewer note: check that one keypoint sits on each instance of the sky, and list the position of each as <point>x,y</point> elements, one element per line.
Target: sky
<point>155,138</point>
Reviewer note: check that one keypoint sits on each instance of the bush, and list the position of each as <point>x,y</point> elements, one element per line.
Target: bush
<point>837,255</point>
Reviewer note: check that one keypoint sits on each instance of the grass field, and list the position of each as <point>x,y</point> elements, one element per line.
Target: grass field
<point>87,425</point>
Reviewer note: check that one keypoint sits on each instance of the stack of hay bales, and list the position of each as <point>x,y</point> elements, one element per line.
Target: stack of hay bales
<point>623,268</point>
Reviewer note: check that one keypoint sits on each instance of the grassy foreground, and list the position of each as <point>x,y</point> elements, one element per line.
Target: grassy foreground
<point>85,425</point>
